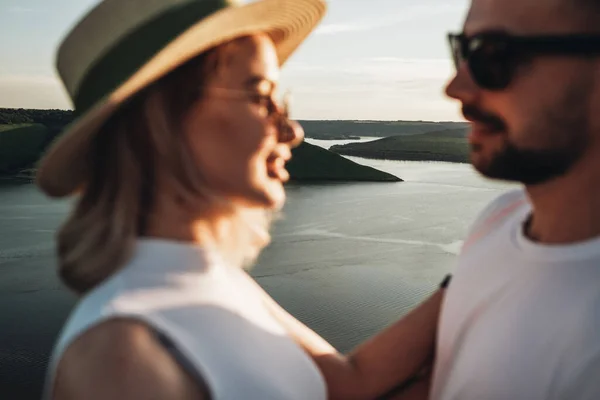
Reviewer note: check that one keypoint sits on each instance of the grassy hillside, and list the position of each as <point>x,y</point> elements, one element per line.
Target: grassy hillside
<point>447,145</point>
<point>20,145</point>
<point>313,163</point>
<point>22,142</point>
<point>25,133</point>
<point>350,129</point>
<point>450,133</point>
<point>26,116</point>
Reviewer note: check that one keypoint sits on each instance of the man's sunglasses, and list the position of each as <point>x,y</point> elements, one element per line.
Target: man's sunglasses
<point>493,58</point>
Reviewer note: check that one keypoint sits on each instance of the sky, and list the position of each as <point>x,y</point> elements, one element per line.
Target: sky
<point>367,60</point>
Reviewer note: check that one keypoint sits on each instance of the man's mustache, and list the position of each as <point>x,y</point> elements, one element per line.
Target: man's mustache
<point>474,114</point>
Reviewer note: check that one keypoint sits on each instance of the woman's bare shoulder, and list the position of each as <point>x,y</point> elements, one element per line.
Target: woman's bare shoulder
<point>121,359</point>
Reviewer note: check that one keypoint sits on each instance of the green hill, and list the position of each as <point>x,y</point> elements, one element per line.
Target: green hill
<point>21,145</point>
<point>24,135</point>
<point>49,118</point>
<point>313,163</point>
<point>351,129</point>
<point>447,145</point>
<point>450,133</point>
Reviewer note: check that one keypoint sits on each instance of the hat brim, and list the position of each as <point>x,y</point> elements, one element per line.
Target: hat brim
<point>63,169</point>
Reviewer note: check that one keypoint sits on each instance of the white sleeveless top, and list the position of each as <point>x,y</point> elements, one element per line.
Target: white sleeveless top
<point>213,315</point>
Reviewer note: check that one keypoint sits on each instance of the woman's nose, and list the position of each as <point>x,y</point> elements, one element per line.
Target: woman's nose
<point>291,132</point>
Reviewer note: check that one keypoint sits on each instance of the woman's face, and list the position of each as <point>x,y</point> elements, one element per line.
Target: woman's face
<point>234,130</point>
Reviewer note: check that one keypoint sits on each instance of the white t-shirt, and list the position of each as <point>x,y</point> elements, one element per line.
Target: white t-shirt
<point>211,314</point>
<point>520,320</point>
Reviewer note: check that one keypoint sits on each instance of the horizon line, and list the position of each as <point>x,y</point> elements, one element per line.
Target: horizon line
<point>299,119</point>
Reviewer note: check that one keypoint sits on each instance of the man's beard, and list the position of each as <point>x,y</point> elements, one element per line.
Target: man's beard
<point>565,129</point>
<point>532,167</point>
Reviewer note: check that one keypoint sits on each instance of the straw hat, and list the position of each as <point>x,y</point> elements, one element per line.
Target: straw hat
<point>122,46</point>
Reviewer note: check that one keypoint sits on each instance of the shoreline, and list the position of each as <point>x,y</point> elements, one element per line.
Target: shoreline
<point>26,175</point>
<point>405,157</point>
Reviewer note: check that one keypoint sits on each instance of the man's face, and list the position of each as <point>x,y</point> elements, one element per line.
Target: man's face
<point>541,124</point>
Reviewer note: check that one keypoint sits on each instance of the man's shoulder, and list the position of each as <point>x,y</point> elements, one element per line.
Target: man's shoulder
<point>497,212</point>
<point>501,206</point>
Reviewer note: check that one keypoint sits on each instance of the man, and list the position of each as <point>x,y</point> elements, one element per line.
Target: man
<point>521,318</point>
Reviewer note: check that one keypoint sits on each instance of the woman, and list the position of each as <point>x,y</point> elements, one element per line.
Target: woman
<point>177,160</point>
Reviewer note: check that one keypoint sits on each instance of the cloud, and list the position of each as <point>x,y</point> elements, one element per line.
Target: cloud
<point>32,91</point>
<point>38,79</point>
<point>340,28</point>
<point>380,69</point>
<point>372,88</point>
<point>407,14</point>
<point>24,10</point>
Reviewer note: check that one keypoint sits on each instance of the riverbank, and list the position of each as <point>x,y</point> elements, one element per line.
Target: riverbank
<point>310,163</point>
<point>26,134</point>
<point>447,146</point>
<point>18,177</point>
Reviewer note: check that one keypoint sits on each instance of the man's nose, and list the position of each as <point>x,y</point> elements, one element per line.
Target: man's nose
<point>462,87</point>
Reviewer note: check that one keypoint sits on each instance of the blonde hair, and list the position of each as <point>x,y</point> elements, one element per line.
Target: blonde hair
<point>99,236</point>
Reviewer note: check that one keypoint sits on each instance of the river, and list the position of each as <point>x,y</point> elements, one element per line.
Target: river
<point>350,258</point>
<point>347,258</point>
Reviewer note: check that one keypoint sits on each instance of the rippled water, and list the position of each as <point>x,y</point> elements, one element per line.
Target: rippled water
<point>347,259</point>
<point>350,258</point>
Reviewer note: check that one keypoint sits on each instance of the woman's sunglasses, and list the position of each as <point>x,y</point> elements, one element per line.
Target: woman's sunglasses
<point>493,58</point>
<point>277,110</point>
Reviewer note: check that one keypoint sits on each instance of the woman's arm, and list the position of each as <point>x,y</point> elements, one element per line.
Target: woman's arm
<point>378,365</point>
